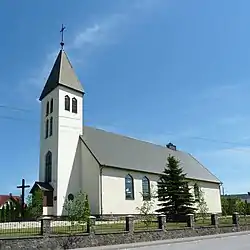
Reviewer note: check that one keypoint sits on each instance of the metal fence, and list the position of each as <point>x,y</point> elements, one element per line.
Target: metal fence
<point>20,228</point>
<point>62,225</point>
<point>146,222</point>
<point>109,224</point>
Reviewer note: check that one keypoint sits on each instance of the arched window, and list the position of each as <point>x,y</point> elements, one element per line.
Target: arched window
<point>129,187</point>
<point>74,105</point>
<point>48,167</point>
<point>145,188</point>
<point>47,128</point>
<point>196,192</point>
<point>51,105</point>
<point>47,109</point>
<point>67,103</point>
<point>51,126</point>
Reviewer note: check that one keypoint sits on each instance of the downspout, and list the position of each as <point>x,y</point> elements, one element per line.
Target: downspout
<point>101,168</point>
<point>222,189</point>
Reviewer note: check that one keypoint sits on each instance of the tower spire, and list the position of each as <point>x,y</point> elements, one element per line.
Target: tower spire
<point>62,42</point>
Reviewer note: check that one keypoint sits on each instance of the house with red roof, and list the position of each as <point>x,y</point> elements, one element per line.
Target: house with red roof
<point>4,199</point>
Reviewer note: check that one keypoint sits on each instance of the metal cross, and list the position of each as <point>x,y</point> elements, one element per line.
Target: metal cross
<point>23,186</point>
<point>62,30</point>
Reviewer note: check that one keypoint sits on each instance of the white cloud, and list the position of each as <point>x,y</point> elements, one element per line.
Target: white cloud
<point>87,36</point>
<point>100,33</point>
<point>37,77</point>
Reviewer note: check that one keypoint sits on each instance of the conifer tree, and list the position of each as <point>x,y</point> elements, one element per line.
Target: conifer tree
<point>11,211</point>
<point>7,212</point>
<point>3,214</point>
<point>174,196</point>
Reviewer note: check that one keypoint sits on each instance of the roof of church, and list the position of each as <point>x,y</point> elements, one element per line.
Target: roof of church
<point>127,153</point>
<point>63,74</point>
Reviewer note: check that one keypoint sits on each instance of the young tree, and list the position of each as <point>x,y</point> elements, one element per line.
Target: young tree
<point>146,209</point>
<point>35,204</point>
<point>241,207</point>
<point>201,203</point>
<point>174,194</point>
<point>78,208</point>
<point>224,206</point>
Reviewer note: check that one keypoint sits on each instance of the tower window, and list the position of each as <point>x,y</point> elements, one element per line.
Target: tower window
<point>51,126</point>
<point>74,105</point>
<point>48,167</point>
<point>67,103</point>
<point>47,109</point>
<point>51,105</point>
<point>47,129</point>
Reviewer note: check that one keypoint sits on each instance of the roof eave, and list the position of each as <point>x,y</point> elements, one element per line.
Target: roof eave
<point>44,94</point>
<point>156,173</point>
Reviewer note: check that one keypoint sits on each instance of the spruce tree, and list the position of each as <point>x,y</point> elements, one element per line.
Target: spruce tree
<point>174,195</point>
<point>3,214</point>
<point>7,212</point>
<point>11,211</point>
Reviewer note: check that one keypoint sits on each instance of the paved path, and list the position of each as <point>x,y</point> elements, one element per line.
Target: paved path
<point>232,241</point>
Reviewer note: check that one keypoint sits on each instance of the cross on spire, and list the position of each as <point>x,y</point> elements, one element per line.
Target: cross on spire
<point>62,42</point>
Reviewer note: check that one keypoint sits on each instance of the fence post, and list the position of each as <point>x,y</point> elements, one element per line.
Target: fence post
<point>235,219</point>
<point>162,222</point>
<point>190,220</point>
<point>91,225</point>
<point>46,225</point>
<point>214,220</point>
<point>130,223</point>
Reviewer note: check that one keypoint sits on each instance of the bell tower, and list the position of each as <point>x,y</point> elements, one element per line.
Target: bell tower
<point>61,125</point>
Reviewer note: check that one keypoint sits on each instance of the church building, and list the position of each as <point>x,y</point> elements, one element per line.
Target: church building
<point>117,172</point>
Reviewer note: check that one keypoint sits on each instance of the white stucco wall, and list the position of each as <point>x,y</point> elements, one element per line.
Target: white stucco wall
<point>63,144</point>
<point>50,143</point>
<point>211,194</point>
<point>113,189</point>
<point>90,179</point>
<point>69,161</point>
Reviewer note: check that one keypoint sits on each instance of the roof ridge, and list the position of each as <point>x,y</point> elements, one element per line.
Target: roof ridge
<point>133,138</point>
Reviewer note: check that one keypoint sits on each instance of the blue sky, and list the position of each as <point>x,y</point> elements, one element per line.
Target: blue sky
<point>158,70</point>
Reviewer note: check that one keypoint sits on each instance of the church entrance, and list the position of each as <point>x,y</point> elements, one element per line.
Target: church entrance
<point>47,191</point>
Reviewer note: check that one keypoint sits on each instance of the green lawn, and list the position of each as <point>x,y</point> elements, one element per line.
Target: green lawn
<point>20,232</point>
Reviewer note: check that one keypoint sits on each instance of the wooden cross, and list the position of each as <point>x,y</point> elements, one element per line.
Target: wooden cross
<point>62,30</point>
<point>23,186</point>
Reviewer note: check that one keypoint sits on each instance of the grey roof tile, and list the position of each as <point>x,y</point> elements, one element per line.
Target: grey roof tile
<point>63,74</point>
<point>124,152</point>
